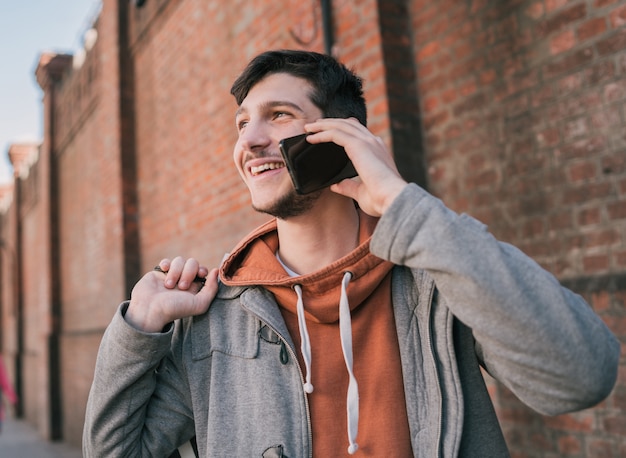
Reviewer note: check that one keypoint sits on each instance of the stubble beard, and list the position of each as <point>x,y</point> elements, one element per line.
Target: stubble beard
<point>290,205</point>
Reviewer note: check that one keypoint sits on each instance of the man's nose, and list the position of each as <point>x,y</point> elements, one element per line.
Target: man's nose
<point>254,137</point>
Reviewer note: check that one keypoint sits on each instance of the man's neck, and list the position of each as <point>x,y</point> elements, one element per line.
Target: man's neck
<point>326,233</point>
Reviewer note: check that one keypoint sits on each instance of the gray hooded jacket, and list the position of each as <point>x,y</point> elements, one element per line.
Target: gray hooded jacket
<point>461,299</point>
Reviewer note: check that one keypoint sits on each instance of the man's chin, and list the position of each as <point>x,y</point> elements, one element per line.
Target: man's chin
<point>289,205</point>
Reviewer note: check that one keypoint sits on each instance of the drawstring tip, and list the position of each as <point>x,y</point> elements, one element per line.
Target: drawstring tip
<point>308,388</point>
<point>353,448</point>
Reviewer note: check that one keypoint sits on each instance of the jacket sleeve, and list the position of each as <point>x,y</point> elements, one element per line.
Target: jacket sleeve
<point>541,340</point>
<point>138,405</point>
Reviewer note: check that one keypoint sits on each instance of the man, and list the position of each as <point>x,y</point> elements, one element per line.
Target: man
<point>354,322</point>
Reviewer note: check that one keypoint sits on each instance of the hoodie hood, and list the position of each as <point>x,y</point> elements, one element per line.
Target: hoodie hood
<point>254,262</point>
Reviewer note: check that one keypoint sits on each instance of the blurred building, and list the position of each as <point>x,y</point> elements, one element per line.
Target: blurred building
<point>511,111</point>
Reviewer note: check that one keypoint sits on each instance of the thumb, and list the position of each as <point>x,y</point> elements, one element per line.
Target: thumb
<point>348,187</point>
<point>209,290</point>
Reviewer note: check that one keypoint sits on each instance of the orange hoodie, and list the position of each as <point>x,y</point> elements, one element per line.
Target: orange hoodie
<point>382,419</point>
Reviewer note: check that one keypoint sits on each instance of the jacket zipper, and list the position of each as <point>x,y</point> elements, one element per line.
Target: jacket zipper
<point>431,347</point>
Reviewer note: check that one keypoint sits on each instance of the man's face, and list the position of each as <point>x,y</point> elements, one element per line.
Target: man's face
<point>275,108</point>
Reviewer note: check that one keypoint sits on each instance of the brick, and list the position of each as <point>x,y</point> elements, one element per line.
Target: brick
<point>564,18</point>
<point>601,301</point>
<point>621,63</point>
<point>428,51</point>
<point>569,84</point>
<point>577,105</point>
<point>603,238</point>
<point>543,441</point>
<point>535,10</point>
<point>449,96</point>
<point>595,263</point>
<point>562,42</point>
<point>603,120</point>
<point>552,5</point>
<point>569,62</point>
<point>618,17</point>
<point>575,129</point>
<point>615,92</point>
<point>620,258</point>
<point>574,242</point>
<point>569,445</point>
<point>476,102</point>
<point>612,44</point>
<point>548,137</point>
<point>582,171</point>
<point>427,69</point>
<point>617,210</point>
<point>582,148</point>
<point>430,103</point>
<point>590,216</point>
<point>591,28</point>
<point>603,3</point>
<point>615,424</point>
<point>478,5</point>
<point>587,193</point>
<point>561,220</point>
<point>614,163</point>
<point>541,96</point>
<point>502,13</point>
<point>488,76</point>
<point>619,398</point>
<point>601,449</point>
<point>533,228</point>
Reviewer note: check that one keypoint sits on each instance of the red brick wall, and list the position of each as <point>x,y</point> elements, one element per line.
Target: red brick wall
<point>523,114</point>
<point>87,148</point>
<point>191,201</point>
<point>35,296</point>
<point>514,109</point>
<point>25,245</point>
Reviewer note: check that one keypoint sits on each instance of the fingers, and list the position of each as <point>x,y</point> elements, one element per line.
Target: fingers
<point>348,187</point>
<point>367,151</point>
<point>182,273</point>
<point>175,289</point>
<point>379,180</point>
<point>337,130</point>
<point>209,289</point>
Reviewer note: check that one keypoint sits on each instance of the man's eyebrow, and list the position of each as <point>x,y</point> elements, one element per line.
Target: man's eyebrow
<point>272,104</point>
<point>240,110</point>
<point>281,103</point>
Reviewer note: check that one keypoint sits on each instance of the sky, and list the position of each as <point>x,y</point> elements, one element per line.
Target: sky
<point>28,28</point>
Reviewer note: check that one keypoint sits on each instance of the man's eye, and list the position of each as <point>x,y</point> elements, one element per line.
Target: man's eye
<point>241,124</point>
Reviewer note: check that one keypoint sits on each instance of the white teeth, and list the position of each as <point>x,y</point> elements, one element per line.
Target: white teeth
<point>264,167</point>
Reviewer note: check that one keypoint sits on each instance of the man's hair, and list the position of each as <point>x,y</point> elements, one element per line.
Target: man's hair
<point>337,91</point>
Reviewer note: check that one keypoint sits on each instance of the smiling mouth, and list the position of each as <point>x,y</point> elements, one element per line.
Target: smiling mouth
<point>265,167</point>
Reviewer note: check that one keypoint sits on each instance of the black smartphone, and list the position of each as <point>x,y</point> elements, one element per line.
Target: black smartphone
<point>315,166</point>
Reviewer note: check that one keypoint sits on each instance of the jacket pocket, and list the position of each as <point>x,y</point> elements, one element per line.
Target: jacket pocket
<point>227,329</point>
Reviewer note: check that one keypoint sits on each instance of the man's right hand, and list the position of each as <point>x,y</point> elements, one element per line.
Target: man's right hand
<point>379,181</point>
<point>161,297</point>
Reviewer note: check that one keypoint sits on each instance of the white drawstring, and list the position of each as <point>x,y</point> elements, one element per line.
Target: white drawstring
<point>345,331</point>
<point>305,345</point>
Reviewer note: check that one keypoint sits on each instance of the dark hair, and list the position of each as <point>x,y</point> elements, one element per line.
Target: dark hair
<point>337,91</point>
